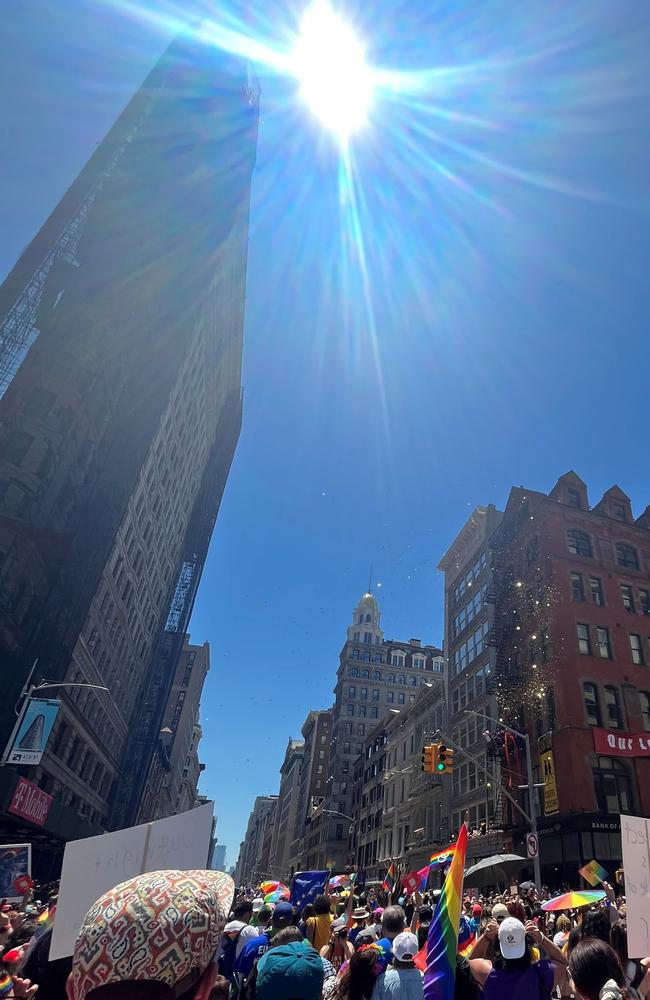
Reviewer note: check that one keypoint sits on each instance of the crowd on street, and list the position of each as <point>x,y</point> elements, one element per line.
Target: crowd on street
<point>172,935</point>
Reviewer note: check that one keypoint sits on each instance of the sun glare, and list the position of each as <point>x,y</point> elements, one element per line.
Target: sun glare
<point>329,62</point>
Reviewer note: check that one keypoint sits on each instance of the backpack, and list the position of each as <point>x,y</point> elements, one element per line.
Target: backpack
<point>227,959</point>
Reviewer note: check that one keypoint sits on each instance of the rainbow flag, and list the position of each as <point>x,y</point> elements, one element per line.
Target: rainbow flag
<point>340,881</point>
<point>593,873</point>
<point>6,983</point>
<point>389,881</point>
<point>442,941</point>
<point>465,948</point>
<point>442,857</point>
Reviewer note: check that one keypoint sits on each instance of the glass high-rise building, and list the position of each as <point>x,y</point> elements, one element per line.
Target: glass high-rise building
<point>120,408</point>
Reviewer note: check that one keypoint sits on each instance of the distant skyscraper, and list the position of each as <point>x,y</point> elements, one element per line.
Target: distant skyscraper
<point>120,373</point>
<point>254,851</point>
<point>376,677</point>
<point>219,858</point>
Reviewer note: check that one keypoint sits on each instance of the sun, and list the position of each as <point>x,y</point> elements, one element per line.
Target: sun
<point>329,63</point>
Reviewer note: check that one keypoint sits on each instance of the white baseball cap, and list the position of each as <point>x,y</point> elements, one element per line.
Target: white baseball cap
<point>512,938</point>
<point>405,947</point>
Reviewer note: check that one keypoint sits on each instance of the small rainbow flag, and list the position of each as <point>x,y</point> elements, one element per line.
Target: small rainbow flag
<point>442,941</point>
<point>593,873</point>
<point>389,881</point>
<point>442,857</point>
<point>340,881</point>
<point>6,983</point>
<point>467,946</point>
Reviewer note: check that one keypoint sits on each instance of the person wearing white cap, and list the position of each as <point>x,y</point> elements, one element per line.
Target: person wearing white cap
<point>513,975</point>
<point>403,981</point>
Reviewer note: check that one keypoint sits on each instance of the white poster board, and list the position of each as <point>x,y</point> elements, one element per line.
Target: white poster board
<point>635,838</point>
<point>93,866</point>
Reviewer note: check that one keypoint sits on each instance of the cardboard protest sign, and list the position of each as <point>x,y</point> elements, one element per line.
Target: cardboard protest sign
<point>635,839</point>
<point>93,866</point>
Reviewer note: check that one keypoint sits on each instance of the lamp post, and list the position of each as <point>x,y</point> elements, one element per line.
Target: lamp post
<point>25,697</point>
<point>532,818</point>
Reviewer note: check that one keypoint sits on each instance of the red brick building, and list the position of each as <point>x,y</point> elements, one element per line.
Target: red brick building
<point>572,666</point>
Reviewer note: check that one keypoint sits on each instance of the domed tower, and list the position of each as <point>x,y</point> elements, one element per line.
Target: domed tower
<point>366,620</point>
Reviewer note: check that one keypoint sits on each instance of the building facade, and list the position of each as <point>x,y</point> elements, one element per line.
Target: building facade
<point>254,852</point>
<point>376,677</point>
<point>571,670</point>
<point>470,593</point>
<point>286,811</point>
<point>397,809</point>
<point>219,857</point>
<point>174,789</point>
<point>317,737</point>
<point>120,376</point>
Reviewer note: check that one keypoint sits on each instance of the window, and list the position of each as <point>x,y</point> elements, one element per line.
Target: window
<point>367,637</point>
<point>644,701</point>
<point>626,555</point>
<point>376,658</point>
<point>612,786</point>
<point>364,693</point>
<point>361,730</point>
<point>352,691</point>
<point>375,695</point>
<point>592,708</point>
<point>613,716</point>
<point>365,674</point>
<point>627,596</point>
<point>350,709</point>
<point>579,543</point>
<point>390,697</point>
<point>644,600</point>
<point>401,679</point>
<point>356,637</point>
<point>573,497</point>
<point>374,712</point>
<point>400,698</point>
<point>355,656</point>
<point>636,648</point>
<point>596,591</point>
<point>603,643</point>
<point>584,644</point>
<point>397,659</point>
<point>362,711</point>
<point>577,587</point>
<point>618,510</point>
<point>391,678</point>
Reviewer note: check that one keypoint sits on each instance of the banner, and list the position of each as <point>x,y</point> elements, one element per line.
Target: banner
<point>635,840</point>
<point>34,731</point>
<point>30,802</point>
<point>616,744</point>
<point>15,862</point>
<point>547,764</point>
<point>93,866</point>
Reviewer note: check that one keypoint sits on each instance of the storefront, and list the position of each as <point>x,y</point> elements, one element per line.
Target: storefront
<point>566,845</point>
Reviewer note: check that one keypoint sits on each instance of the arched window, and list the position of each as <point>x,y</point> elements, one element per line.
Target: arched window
<point>626,555</point>
<point>401,679</point>
<point>414,682</point>
<point>391,678</point>
<point>376,676</point>
<point>612,786</point>
<point>354,672</point>
<point>579,543</point>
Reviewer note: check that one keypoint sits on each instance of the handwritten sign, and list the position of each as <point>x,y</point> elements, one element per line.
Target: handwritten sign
<point>93,866</point>
<point>635,838</point>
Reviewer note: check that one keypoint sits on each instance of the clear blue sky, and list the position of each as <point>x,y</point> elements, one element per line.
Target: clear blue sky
<point>504,214</point>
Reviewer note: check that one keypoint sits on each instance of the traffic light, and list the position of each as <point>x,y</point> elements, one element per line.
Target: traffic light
<point>429,755</point>
<point>444,759</point>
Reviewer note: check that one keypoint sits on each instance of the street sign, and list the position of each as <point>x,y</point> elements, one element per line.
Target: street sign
<point>532,845</point>
<point>30,739</point>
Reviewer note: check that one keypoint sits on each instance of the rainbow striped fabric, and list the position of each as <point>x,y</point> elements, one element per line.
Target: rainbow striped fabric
<point>442,941</point>
<point>442,857</point>
<point>389,880</point>
<point>6,983</point>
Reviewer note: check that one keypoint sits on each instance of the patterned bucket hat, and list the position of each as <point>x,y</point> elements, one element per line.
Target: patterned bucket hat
<point>159,926</point>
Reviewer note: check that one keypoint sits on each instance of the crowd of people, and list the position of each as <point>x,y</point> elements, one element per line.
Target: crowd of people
<point>184,936</point>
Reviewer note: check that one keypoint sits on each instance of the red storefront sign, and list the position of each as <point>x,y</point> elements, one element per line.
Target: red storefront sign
<point>617,744</point>
<point>30,802</point>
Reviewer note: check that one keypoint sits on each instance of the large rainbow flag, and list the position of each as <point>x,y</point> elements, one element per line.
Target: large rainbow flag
<point>442,857</point>
<point>442,941</point>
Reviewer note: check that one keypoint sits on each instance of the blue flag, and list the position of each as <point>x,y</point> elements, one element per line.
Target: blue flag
<point>306,886</point>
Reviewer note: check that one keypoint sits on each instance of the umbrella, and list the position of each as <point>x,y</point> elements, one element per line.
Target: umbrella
<point>271,886</point>
<point>494,869</point>
<point>574,900</point>
<point>276,896</point>
<point>525,886</point>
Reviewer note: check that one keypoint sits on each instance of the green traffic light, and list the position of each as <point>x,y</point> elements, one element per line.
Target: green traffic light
<point>440,767</point>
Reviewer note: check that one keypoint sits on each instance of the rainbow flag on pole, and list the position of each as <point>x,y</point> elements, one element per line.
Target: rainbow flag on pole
<point>389,880</point>
<point>442,857</point>
<point>442,941</point>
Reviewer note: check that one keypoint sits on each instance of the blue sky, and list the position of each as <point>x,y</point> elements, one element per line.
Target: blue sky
<point>499,337</point>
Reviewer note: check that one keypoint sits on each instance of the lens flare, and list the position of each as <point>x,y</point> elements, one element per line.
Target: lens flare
<point>329,62</point>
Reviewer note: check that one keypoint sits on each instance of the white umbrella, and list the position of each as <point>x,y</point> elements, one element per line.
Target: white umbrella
<point>494,869</point>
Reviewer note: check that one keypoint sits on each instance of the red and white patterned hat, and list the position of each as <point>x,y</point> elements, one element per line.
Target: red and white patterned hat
<point>158,926</point>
